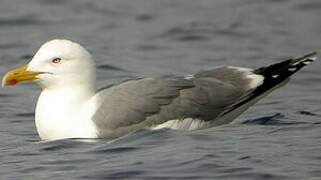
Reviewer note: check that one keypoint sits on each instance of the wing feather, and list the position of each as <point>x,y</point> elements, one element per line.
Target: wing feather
<point>147,102</point>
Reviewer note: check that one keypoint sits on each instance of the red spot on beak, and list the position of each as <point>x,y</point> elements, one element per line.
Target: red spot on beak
<point>13,82</point>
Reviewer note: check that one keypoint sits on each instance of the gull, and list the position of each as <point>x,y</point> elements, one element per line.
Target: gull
<point>70,106</point>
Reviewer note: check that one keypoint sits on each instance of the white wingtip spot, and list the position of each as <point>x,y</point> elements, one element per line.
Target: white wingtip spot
<point>275,76</point>
<point>307,62</point>
<point>313,58</point>
<point>292,69</point>
<point>294,64</point>
<point>188,77</point>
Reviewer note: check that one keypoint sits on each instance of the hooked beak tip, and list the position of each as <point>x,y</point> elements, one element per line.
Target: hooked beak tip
<point>18,75</point>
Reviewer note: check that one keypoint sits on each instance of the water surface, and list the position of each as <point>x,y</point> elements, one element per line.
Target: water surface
<point>279,138</point>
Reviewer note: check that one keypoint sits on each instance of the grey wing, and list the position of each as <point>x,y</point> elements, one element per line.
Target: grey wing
<point>148,102</point>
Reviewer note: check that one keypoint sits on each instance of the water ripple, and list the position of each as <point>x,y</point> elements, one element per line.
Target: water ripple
<point>309,6</point>
<point>267,120</point>
<point>20,21</point>
<point>182,37</point>
<point>111,67</point>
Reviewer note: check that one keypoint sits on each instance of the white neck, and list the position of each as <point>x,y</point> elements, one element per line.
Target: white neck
<point>65,113</point>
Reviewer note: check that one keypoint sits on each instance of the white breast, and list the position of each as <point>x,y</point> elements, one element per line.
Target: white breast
<point>63,115</point>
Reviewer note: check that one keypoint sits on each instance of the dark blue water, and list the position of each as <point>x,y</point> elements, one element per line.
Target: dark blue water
<point>279,138</point>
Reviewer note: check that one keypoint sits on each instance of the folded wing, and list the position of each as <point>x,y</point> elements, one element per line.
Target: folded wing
<point>149,102</point>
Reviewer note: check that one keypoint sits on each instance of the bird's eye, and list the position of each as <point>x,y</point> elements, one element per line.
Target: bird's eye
<point>56,61</point>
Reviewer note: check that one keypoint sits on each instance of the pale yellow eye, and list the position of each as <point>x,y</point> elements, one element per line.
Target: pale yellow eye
<point>56,61</point>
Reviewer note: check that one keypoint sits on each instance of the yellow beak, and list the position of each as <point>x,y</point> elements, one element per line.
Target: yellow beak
<point>17,75</point>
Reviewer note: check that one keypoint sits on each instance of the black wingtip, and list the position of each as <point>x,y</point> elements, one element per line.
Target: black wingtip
<point>275,76</point>
<point>306,59</point>
<point>286,68</point>
<point>309,55</point>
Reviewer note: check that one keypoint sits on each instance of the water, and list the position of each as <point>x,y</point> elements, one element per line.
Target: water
<point>279,138</point>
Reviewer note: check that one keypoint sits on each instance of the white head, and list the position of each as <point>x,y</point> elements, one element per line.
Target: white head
<point>58,63</point>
